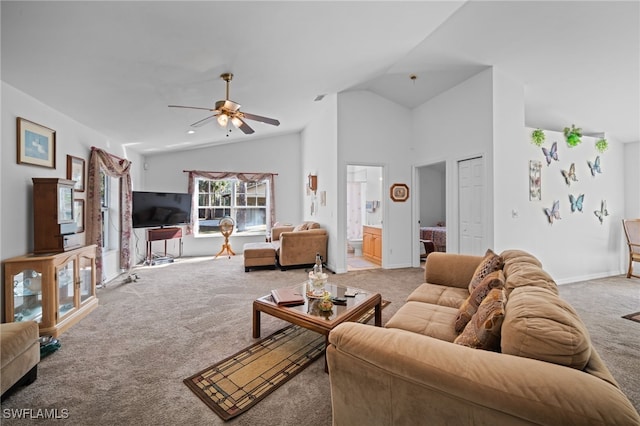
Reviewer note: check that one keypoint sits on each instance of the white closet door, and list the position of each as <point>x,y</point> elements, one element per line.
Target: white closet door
<point>471,206</point>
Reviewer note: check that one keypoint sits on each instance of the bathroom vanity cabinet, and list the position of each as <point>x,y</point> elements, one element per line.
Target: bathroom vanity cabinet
<point>372,244</point>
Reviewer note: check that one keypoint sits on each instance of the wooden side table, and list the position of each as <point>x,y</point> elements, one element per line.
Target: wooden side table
<point>160,234</point>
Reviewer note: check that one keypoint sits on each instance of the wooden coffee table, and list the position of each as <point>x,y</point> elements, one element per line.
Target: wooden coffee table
<point>310,317</point>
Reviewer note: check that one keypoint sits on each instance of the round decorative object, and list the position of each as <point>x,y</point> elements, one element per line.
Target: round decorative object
<point>226,226</point>
<point>226,229</point>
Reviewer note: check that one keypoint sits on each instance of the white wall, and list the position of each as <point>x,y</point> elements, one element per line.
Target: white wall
<point>576,247</point>
<point>72,138</point>
<point>454,126</point>
<point>375,131</point>
<point>318,157</point>
<point>278,154</point>
<point>631,153</point>
<point>508,122</point>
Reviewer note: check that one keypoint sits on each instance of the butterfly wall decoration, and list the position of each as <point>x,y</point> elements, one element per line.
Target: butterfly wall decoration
<point>595,166</point>
<point>570,175</point>
<point>576,202</point>
<point>551,154</point>
<point>600,214</point>
<point>554,212</point>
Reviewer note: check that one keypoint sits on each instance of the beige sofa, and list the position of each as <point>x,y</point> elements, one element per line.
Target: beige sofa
<point>19,354</point>
<point>544,370</point>
<point>298,245</point>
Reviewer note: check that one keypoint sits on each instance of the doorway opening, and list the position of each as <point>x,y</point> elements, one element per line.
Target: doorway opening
<point>432,209</point>
<point>364,217</point>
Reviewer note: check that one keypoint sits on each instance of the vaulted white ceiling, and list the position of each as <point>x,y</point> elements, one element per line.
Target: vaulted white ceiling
<point>115,66</point>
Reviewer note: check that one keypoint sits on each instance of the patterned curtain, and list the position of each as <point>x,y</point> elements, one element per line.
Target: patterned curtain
<point>243,177</point>
<point>115,167</point>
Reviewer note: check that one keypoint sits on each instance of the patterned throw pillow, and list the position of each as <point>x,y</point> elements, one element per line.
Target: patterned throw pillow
<point>491,262</point>
<point>301,227</point>
<point>483,331</point>
<point>469,307</point>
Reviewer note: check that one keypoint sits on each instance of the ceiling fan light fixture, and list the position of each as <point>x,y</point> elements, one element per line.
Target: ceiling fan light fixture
<point>223,119</point>
<point>236,122</point>
<point>226,110</point>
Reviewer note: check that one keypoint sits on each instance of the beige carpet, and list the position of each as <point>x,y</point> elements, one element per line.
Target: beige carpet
<point>124,364</point>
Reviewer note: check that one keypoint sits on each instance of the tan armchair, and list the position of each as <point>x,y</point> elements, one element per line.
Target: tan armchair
<point>632,232</point>
<point>298,245</point>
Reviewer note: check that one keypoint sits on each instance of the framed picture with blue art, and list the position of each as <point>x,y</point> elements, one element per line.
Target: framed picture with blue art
<point>36,144</point>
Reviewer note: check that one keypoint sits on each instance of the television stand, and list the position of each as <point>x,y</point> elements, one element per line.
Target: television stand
<point>162,234</point>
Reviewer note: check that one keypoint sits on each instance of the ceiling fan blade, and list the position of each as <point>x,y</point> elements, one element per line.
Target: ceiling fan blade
<point>204,121</point>
<point>267,120</point>
<point>190,107</point>
<point>244,126</point>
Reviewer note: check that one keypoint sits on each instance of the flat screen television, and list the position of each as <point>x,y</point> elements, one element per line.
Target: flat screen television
<point>158,209</point>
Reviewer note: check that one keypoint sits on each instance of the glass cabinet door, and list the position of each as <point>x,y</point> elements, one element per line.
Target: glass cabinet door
<point>66,288</point>
<point>27,296</point>
<point>86,278</point>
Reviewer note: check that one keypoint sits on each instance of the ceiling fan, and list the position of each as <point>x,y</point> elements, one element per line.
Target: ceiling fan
<point>227,110</point>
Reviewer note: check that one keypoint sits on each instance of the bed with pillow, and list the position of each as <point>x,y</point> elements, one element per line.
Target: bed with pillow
<point>485,340</point>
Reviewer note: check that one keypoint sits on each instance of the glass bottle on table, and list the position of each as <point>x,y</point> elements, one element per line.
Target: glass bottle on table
<point>318,277</point>
<point>317,268</point>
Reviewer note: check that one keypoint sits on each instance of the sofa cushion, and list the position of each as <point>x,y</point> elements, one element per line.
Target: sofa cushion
<point>483,331</point>
<point>540,325</point>
<point>528,274</point>
<point>519,256</point>
<point>426,319</point>
<point>491,262</point>
<point>471,304</point>
<point>442,295</point>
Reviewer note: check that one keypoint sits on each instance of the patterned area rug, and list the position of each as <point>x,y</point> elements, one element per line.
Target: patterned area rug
<point>237,383</point>
<point>633,317</point>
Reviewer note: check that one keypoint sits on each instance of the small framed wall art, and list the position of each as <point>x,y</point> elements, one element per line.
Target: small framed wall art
<point>75,172</point>
<point>36,144</point>
<point>78,212</point>
<point>399,192</point>
<point>535,176</point>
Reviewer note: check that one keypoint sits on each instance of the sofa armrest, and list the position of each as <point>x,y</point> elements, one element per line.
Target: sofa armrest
<point>278,230</point>
<point>451,269</point>
<point>391,376</point>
